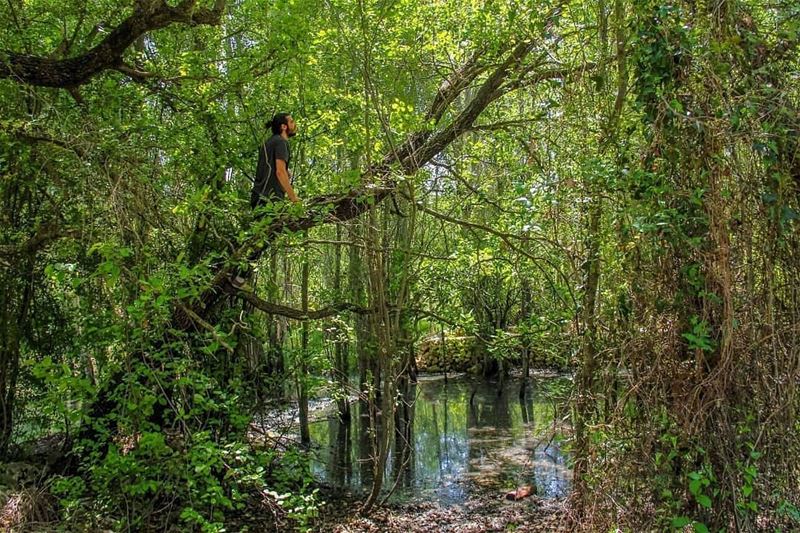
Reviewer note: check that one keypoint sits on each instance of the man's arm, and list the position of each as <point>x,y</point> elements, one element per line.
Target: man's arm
<point>283,179</point>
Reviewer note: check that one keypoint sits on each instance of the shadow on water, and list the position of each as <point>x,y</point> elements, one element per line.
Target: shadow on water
<point>447,448</point>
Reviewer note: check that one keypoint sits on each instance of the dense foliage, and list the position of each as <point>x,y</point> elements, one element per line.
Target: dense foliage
<point>607,187</point>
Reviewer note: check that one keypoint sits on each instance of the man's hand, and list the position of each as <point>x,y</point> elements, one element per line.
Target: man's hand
<point>283,178</point>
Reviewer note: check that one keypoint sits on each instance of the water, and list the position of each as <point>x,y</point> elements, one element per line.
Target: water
<point>453,448</point>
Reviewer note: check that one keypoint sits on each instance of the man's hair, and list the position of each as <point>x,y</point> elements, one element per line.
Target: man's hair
<point>278,120</point>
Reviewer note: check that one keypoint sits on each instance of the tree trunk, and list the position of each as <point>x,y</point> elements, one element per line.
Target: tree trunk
<point>525,311</point>
<point>588,358</point>
<point>14,306</point>
<point>341,367</point>
<point>302,380</point>
<point>383,421</point>
<point>355,286</point>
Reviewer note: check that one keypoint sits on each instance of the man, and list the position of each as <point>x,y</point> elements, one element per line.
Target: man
<point>273,181</point>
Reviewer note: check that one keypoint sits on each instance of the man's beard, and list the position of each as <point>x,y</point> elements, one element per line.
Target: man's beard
<point>291,133</point>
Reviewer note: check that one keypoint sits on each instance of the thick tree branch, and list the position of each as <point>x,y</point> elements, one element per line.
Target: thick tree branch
<point>453,86</point>
<point>148,15</point>
<point>298,314</point>
<point>487,93</point>
<point>377,184</point>
<point>325,312</point>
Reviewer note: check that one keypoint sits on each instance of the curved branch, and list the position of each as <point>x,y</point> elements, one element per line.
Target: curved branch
<point>298,314</point>
<point>206,326</point>
<point>331,310</point>
<point>46,234</point>
<point>74,71</point>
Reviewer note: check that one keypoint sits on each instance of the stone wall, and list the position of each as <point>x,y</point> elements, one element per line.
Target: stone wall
<point>455,357</point>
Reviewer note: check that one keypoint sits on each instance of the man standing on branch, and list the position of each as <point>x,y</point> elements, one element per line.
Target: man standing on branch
<point>273,181</point>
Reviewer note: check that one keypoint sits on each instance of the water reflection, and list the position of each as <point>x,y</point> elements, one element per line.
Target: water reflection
<point>447,447</point>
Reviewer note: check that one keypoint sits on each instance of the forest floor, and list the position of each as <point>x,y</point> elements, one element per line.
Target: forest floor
<point>478,514</point>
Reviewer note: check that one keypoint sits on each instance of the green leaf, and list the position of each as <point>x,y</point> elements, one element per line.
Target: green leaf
<point>680,522</point>
<point>703,500</point>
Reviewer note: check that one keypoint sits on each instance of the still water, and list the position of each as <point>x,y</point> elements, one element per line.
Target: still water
<point>454,448</point>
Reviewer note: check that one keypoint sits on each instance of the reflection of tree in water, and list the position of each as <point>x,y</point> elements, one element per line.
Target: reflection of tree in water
<point>488,429</point>
<point>346,459</point>
<point>365,455</point>
<point>526,404</point>
<point>488,409</point>
<point>340,465</point>
<point>403,460</point>
<point>450,446</point>
<point>550,470</point>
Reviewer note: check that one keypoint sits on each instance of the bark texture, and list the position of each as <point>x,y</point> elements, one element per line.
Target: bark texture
<point>148,15</point>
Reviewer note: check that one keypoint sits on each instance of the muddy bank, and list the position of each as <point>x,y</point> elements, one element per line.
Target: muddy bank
<point>477,514</point>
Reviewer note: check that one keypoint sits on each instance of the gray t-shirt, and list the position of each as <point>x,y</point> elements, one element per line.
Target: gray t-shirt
<point>266,186</point>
